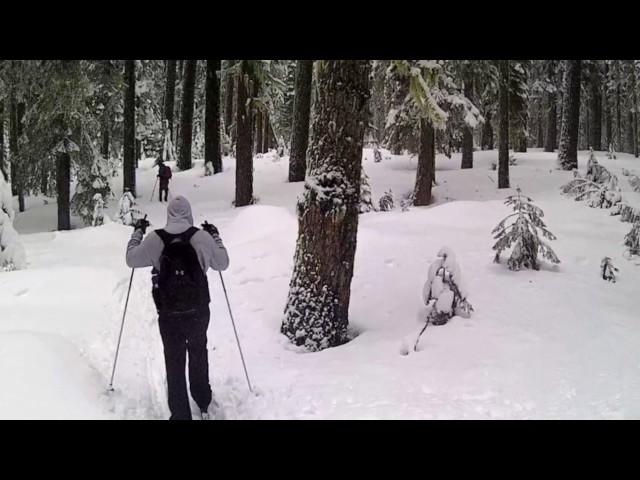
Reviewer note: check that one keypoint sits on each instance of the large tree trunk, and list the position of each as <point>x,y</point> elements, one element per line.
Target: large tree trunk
<point>170,95</point>
<point>620,146</point>
<point>568,152</point>
<point>425,174</point>
<point>635,109</point>
<point>503,133</point>
<point>266,137</point>
<point>317,311</point>
<point>186,117</point>
<point>552,130</point>
<point>487,132</point>
<point>63,188</point>
<point>228,110</point>
<point>467,131</point>
<point>3,168</point>
<point>105,120</point>
<point>129,143</point>
<point>540,139</point>
<point>244,140</point>
<point>300,128</point>
<point>259,130</point>
<point>596,110</point>
<point>17,164</point>
<point>212,117</point>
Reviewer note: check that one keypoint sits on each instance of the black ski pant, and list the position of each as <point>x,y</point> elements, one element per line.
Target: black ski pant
<point>163,188</point>
<point>179,337</point>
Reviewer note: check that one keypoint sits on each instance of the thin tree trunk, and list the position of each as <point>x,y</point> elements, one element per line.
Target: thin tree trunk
<point>129,143</point>
<point>259,130</point>
<point>618,112</point>
<point>596,111</point>
<point>3,168</point>
<point>244,140</point>
<point>300,129</point>
<point>170,94</point>
<point>467,131</point>
<point>317,311</point>
<point>63,188</point>
<point>503,134</point>
<point>267,133</point>
<point>568,152</point>
<point>629,148</point>
<point>425,174</point>
<point>487,133</point>
<point>186,117</point>
<point>212,117</point>
<point>551,97</point>
<point>228,111</point>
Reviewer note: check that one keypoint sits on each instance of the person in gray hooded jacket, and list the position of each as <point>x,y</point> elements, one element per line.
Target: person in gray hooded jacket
<point>187,334</point>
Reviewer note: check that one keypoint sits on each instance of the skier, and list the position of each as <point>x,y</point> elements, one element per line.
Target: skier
<point>164,174</point>
<point>180,255</point>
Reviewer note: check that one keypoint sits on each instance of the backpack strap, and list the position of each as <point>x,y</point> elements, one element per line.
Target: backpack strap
<point>185,236</point>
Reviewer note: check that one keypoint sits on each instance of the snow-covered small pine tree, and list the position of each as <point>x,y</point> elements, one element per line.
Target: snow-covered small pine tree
<point>513,160</point>
<point>407,201</point>
<point>91,179</point>
<point>386,201</point>
<point>127,215</point>
<point>443,293</point>
<point>98,210</point>
<point>208,169</point>
<point>596,172</point>
<point>612,153</point>
<point>377,156</point>
<point>522,233</point>
<point>607,270</point>
<point>625,172</point>
<point>634,181</point>
<point>632,240</point>
<point>627,213</point>
<point>12,253</point>
<point>168,150</point>
<point>366,203</point>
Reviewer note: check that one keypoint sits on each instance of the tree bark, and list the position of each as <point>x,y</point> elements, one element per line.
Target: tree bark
<point>503,133</point>
<point>228,111</point>
<point>425,174</point>
<point>300,128</point>
<point>244,140</point>
<point>259,130</point>
<point>552,130</point>
<point>568,152</point>
<point>618,111</point>
<point>317,311</point>
<point>170,94</point>
<point>596,110</point>
<point>3,168</point>
<point>16,113</point>
<point>186,117</point>
<point>467,131</point>
<point>212,117</point>
<point>266,137</point>
<point>540,139</point>
<point>487,132</point>
<point>129,142</point>
<point>63,188</point>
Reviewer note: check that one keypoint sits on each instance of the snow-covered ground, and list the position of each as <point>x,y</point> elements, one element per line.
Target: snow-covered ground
<point>556,343</point>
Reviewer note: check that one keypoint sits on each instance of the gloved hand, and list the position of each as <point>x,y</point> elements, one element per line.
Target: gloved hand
<point>210,229</point>
<point>141,224</point>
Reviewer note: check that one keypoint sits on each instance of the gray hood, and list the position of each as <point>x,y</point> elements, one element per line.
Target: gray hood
<point>179,217</point>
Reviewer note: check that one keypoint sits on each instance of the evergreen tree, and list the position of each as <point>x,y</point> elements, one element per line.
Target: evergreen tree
<point>568,152</point>
<point>632,240</point>
<point>366,203</point>
<point>212,152</point>
<point>300,130</point>
<point>186,116</point>
<point>503,132</point>
<point>522,233</point>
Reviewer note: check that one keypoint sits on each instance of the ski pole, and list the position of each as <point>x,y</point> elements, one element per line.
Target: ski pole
<point>154,190</point>
<point>236,332</point>
<point>126,303</point>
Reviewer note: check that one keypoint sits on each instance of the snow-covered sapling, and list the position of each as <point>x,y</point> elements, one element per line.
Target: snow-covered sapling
<point>98,210</point>
<point>386,201</point>
<point>444,293</point>
<point>407,201</point>
<point>513,160</point>
<point>634,181</point>
<point>611,153</point>
<point>208,169</point>
<point>127,215</point>
<point>366,203</point>
<point>12,253</point>
<point>522,233</point>
<point>632,240</point>
<point>607,270</point>
<point>377,156</point>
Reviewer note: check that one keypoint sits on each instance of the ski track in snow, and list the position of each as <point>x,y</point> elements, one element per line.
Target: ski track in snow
<point>557,343</point>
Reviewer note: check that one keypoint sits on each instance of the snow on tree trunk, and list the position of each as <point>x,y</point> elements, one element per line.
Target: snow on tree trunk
<point>12,253</point>
<point>568,151</point>
<point>300,128</point>
<point>212,152</point>
<point>244,157</point>
<point>186,115</point>
<point>129,146</point>
<point>426,163</point>
<point>503,133</point>
<point>258,132</point>
<point>467,131</point>
<point>316,314</point>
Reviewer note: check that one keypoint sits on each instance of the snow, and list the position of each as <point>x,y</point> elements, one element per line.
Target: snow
<point>554,343</point>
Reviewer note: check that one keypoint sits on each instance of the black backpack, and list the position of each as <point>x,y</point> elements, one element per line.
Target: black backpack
<point>182,286</point>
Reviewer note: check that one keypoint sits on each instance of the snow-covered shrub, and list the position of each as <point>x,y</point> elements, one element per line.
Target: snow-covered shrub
<point>611,153</point>
<point>522,233</point>
<point>627,213</point>
<point>366,203</point>
<point>634,181</point>
<point>407,201</point>
<point>127,215</point>
<point>632,240</point>
<point>377,156</point>
<point>168,150</point>
<point>625,172</point>
<point>92,179</point>
<point>493,165</point>
<point>598,186</point>
<point>596,172</point>
<point>12,253</point>
<point>208,169</point>
<point>98,210</point>
<point>607,270</point>
<point>386,201</point>
<point>513,160</point>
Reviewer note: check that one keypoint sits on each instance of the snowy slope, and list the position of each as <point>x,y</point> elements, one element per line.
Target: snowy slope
<point>557,343</point>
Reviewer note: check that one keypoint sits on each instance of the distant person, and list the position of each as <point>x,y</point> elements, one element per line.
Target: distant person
<point>164,174</point>
<point>180,255</point>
